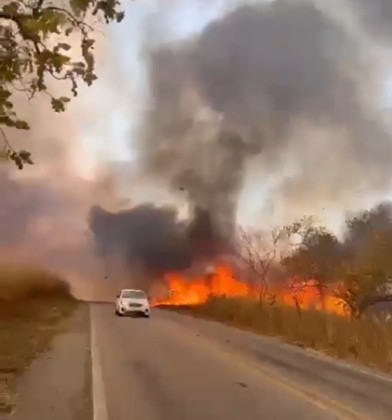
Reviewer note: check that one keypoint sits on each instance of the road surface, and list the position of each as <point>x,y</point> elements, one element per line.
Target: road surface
<point>174,367</point>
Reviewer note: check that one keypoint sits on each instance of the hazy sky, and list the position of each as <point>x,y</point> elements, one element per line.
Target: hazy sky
<point>171,19</point>
<point>124,52</point>
<point>108,135</point>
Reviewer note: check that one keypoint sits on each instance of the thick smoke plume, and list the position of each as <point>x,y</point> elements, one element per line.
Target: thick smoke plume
<point>283,85</point>
<point>153,238</point>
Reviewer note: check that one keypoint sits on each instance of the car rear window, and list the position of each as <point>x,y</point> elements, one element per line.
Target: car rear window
<point>133,294</point>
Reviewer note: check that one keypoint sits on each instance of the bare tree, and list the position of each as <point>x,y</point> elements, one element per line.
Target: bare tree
<point>261,251</point>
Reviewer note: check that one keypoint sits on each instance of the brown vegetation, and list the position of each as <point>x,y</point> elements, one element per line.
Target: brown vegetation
<point>24,282</point>
<point>353,273</point>
<point>356,269</point>
<point>33,304</point>
<point>365,341</point>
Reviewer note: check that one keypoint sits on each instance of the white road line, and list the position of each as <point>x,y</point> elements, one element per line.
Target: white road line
<point>100,411</point>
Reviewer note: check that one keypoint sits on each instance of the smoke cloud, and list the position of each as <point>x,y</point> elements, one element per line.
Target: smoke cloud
<point>154,239</point>
<point>44,208</point>
<point>375,16</point>
<point>43,222</point>
<point>281,84</point>
<point>281,87</point>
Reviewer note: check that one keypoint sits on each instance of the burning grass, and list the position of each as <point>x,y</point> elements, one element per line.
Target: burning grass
<point>299,317</point>
<point>365,340</point>
<point>222,282</point>
<point>33,304</point>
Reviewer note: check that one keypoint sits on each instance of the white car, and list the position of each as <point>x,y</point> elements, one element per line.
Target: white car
<point>132,302</point>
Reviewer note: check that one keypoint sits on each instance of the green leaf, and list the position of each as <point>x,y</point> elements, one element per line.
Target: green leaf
<point>58,104</point>
<point>11,8</point>
<point>7,121</point>
<point>88,43</point>
<point>50,20</point>
<point>21,125</point>
<point>64,99</point>
<point>80,6</point>
<point>4,94</point>
<point>31,27</point>
<point>16,158</point>
<point>89,78</point>
<point>31,55</point>
<point>120,16</point>
<point>26,157</point>
<point>59,61</point>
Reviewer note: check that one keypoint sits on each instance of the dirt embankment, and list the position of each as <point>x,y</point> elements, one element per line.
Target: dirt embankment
<point>33,307</point>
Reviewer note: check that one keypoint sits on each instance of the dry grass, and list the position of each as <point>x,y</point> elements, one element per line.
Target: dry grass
<point>365,341</point>
<point>33,306</point>
<point>19,283</point>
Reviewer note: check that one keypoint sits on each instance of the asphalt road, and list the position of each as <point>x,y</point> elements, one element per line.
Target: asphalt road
<point>174,367</point>
<point>57,385</point>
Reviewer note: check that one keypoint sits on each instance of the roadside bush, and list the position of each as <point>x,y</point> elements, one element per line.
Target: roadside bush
<point>26,282</point>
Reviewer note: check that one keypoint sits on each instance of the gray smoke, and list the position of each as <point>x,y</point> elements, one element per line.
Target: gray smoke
<point>289,87</point>
<point>25,202</point>
<point>153,238</point>
<point>281,85</point>
<point>375,16</point>
<point>43,208</point>
<point>44,223</point>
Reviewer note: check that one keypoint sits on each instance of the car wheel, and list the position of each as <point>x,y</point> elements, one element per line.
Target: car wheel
<point>146,315</point>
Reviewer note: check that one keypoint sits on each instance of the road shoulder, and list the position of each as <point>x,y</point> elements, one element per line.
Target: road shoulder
<point>58,383</point>
<point>344,385</point>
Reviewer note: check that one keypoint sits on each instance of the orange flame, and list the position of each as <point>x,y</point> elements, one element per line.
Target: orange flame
<point>309,298</point>
<point>196,290</point>
<point>222,282</point>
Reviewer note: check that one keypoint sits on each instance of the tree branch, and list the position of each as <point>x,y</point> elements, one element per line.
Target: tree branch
<point>7,144</point>
<point>17,19</point>
<point>79,23</point>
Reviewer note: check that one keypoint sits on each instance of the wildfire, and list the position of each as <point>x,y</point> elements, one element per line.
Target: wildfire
<point>309,297</point>
<point>222,282</point>
<point>196,290</point>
